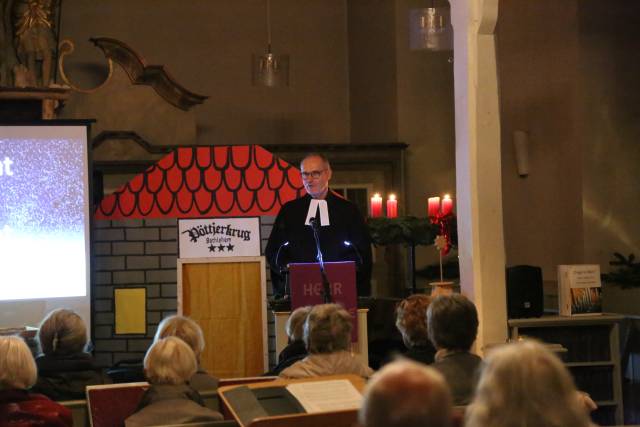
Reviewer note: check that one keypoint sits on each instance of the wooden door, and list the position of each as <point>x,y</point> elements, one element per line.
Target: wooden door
<point>227,298</point>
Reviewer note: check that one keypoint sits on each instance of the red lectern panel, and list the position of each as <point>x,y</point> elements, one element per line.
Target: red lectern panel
<point>305,282</point>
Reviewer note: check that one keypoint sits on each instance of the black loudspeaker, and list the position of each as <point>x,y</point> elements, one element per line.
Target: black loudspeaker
<point>524,292</point>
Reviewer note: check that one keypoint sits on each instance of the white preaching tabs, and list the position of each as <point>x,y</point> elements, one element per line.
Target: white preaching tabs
<point>326,396</point>
<point>324,212</point>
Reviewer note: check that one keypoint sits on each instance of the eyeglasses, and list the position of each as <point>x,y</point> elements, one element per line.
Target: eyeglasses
<point>312,174</point>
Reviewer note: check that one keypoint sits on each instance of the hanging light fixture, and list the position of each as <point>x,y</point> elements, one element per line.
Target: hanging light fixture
<point>430,28</point>
<point>269,69</point>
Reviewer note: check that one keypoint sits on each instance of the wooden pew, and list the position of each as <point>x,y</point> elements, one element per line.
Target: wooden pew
<point>342,418</point>
<point>225,382</point>
<point>223,423</point>
<point>244,380</point>
<point>327,419</point>
<point>78,411</point>
<point>110,404</point>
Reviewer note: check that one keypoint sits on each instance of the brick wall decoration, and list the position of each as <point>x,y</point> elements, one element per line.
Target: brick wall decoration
<point>132,253</point>
<point>135,232</point>
<point>142,253</point>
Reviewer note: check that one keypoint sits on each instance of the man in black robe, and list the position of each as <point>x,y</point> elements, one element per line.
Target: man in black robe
<point>342,233</point>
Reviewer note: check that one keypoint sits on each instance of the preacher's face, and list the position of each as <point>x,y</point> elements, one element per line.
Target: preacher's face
<point>315,176</point>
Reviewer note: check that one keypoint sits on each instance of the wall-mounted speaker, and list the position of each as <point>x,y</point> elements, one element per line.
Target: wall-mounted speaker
<point>524,292</point>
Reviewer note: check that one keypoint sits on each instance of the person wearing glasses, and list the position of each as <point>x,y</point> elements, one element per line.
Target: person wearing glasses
<point>342,232</point>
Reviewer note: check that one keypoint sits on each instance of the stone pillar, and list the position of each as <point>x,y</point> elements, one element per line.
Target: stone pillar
<point>478,166</point>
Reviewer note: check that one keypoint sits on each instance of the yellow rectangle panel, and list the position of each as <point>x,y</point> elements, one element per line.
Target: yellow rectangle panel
<point>130,311</point>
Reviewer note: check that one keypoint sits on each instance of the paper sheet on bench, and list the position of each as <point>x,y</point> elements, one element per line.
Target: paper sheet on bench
<point>326,396</point>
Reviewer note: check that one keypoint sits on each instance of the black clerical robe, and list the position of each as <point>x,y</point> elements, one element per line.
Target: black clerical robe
<point>346,224</point>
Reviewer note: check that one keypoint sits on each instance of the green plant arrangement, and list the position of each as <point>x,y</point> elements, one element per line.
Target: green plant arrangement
<point>406,230</point>
<point>627,272</point>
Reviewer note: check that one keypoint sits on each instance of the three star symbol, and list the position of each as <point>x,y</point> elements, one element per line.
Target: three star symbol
<point>221,248</point>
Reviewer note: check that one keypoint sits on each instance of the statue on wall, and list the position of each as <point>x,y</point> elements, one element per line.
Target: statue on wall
<point>8,58</point>
<point>27,42</point>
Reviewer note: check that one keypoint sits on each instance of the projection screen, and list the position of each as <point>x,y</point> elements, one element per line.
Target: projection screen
<point>44,222</point>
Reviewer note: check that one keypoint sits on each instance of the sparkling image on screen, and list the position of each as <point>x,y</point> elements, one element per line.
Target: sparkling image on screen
<point>42,218</point>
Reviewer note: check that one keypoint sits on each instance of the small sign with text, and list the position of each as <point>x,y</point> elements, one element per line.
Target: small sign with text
<point>219,237</point>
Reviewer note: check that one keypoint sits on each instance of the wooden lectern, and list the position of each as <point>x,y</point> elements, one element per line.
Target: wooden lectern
<point>241,408</point>
<point>305,281</point>
<point>306,289</point>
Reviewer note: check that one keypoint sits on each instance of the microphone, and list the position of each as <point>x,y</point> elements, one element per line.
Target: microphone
<point>283,245</point>
<point>355,249</point>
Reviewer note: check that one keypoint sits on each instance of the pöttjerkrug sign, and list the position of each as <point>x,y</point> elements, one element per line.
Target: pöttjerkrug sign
<point>219,237</point>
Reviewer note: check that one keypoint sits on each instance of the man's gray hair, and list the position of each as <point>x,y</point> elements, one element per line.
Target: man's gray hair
<point>321,156</point>
<point>406,394</point>
<point>327,329</point>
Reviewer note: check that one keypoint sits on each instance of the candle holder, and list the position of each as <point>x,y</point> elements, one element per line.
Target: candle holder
<point>442,218</point>
<point>442,287</point>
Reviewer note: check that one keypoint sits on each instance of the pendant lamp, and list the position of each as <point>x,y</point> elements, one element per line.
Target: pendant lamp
<point>269,69</point>
<point>430,28</point>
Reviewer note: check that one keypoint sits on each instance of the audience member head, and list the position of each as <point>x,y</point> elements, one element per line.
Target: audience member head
<point>411,320</point>
<point>185,329</point>
<point>452,322</point>
<point>17,367</point>
<point>295,323</point>
<point>406,394</point>
<point>170,361</point>
<point>62,332</point>
<point>327,329</point>
<point>525,384</point>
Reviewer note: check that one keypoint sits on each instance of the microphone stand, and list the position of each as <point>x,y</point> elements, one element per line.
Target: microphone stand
<point>360,262</point>
<point>326,288</point>
<point>283,271</point>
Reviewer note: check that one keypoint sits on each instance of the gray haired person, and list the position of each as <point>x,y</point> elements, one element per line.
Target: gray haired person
<point>18,405</point>
<point>190,332</point>
<point>327,336</point>
<point>168,365</point>
<point>452,324</point>
<point>65,368</point>
<point>405,393</point>
<point>524,384</point>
